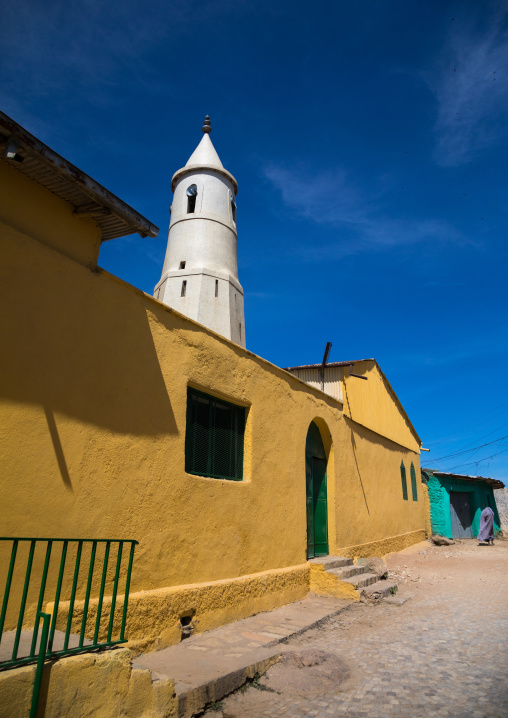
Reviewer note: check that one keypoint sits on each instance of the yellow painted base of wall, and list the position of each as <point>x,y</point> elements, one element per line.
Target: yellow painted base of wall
<point>94,684</point>
<point>326,584</point>
<point>383,547</point>
<point>153,617</point>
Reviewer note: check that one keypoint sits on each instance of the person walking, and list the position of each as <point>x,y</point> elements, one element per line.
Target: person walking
<point>486,532</point>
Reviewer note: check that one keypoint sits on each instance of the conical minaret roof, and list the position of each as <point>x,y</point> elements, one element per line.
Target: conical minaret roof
<point>204,157</point>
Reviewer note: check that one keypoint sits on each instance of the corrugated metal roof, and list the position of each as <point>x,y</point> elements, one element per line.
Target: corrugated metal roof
<point>496,483</point>
<point>330,383</point>
<point>330,364</point>
<point>44,166</point>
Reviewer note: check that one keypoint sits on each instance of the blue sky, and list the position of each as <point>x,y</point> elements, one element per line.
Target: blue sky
<point>370,144</point>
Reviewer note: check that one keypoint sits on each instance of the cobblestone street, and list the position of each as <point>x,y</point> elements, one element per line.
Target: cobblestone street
<point>443,652</point>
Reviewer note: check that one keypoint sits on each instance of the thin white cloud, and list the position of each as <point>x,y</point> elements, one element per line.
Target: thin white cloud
<point>330,198</point>
<point>471,88</point>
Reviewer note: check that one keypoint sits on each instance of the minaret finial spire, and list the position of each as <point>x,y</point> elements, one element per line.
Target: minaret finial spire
<point>207,127</point>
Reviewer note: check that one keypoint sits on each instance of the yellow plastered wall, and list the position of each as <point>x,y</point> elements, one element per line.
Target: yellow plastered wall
<point>374,404</point>
<point>37,213</point>
<point>93,384</point>
<point>97,684</point>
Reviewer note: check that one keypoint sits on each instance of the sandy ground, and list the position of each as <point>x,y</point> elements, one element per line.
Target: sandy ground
<point>438,648</point>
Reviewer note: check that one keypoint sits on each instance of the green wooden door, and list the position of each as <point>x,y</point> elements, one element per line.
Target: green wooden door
<point>317,510</point>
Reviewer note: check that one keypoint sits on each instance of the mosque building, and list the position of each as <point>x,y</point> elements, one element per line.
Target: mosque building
<point>144,418</point>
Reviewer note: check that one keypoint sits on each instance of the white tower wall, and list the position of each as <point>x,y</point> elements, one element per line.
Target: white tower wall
<point>200,272</point>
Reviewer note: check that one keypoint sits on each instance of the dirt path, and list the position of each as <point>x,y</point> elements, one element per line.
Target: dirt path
<point>443,652</point>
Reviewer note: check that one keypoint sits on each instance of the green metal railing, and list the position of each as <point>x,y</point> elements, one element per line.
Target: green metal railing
<point>49,621</point>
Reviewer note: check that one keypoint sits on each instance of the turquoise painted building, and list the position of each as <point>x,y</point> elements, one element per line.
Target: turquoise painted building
<point>456,502</point>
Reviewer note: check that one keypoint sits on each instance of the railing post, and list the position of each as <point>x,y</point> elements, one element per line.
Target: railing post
<point>57,596</point>
<point>115,589</point>
<point>101,594</point>
<point>46,617</point>
<point>127,589</point>
<point>41,597</point>
<point>23,600</point>
<point>87,595</point>
<point>73,596</point>
<point>8,586</point>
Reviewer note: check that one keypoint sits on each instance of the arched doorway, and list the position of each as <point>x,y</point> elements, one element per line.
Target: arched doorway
<point>317,508</point>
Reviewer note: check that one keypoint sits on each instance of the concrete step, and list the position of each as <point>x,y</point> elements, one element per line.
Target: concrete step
<point>330,562</point>
<point>362,580</point>
<point>379,589</point>
<point>347,571</point>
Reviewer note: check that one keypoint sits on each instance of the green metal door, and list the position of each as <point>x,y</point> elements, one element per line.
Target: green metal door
<point>317,510</point>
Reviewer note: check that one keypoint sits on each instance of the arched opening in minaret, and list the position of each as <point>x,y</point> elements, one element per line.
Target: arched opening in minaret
<point>233,208</point>
<point>192,193</point>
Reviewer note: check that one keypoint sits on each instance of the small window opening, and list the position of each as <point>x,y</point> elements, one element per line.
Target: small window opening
<point>216,287</point>
<point>240,330</point>
<point>182,265</point>
<point>192,193</point>
<point>184,288</point>
<point>233,208</point>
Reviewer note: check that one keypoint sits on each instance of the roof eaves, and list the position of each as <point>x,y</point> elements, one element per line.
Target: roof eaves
<point>496,483</point>
<point>328,364</point>
<point>49,169</point>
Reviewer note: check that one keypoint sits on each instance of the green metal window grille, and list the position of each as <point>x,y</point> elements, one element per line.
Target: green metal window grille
<point>214,437</point>
<point>404,481</point>
<point>413,483</point>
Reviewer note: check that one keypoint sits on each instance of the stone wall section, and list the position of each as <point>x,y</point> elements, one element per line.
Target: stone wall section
<point>501,496</point>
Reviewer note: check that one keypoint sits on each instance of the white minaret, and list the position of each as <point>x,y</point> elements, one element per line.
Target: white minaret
<point>200,272</point>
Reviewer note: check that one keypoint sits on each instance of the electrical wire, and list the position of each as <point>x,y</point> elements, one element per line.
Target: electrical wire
<point>467,451</point>
<point>471,423</point>
<point>477,463</point>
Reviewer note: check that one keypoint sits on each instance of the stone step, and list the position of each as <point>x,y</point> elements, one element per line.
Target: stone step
<point>331,561</point>
<point>208,666</point>
<point>379,589</point>
<point>362,580</point>
<point>347,571</point>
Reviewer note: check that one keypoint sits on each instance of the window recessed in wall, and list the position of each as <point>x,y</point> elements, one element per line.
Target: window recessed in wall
<point>184,288</point>
<point>216,287</point>
<point>404,481</point>
<point>214,437</point>
<point>192,193</point>
<point>240,330</point>
<point>233,208</point>
<point>413,483</point>
<point>182,265</point>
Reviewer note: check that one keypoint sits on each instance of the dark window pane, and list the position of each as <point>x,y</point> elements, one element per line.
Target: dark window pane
<point>404,481</point>
<point>413,483</point>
